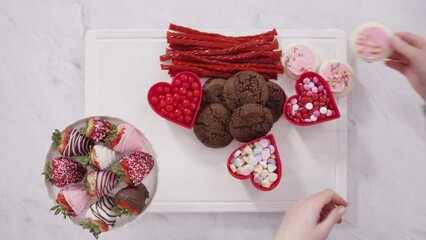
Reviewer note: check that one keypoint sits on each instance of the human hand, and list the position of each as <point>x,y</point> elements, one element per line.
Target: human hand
<point>312,218</point>
<point>409,58</point>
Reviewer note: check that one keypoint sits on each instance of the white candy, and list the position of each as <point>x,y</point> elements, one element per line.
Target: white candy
<point>323,110</point>
<point>258,168</point>
<point>232,167</point>
<point>309,106</point>
<point>266,184</point>
<point>272,177</point>
<point>247,150</point>
<point>257,150</point>
<point>238,162</point>
<point>314,89</point>
<point>237,153</point>
<point>295,107</point>
<point>311,84</point>
<point>264,173</point>
<point>329,113</point>
<point>313,118</point>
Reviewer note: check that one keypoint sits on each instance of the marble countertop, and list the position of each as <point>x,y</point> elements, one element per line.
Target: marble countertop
<point>42,87</point>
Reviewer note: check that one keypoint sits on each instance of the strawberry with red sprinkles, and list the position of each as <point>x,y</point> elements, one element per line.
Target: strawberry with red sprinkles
<point>62,171</point>
<point>134,168</point>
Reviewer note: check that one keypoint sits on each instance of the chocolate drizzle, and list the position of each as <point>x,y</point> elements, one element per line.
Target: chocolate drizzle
<point>105,182</point>
<point>102,210</point>
<point>133,196</point>
<point>78,144</point>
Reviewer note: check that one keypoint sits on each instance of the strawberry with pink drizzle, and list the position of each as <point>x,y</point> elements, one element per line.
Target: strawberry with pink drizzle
<point>125,138</point>
<point>71,143</point>
<point>134,168</point>
<point>96,129</point>
<point>62,171</point>
<point>72,201</point>
<point>99,183</point>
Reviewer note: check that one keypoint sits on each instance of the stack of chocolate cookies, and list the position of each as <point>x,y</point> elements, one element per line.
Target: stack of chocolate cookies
<point>243,107</point>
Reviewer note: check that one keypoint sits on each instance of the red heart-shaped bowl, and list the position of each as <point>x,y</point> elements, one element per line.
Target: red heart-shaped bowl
<point>313,103</point>
<point>179,101</point>
<point>278,171</point>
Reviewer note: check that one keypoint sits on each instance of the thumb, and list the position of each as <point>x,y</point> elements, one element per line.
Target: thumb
<point>333,217</point>
<point>402,47</point>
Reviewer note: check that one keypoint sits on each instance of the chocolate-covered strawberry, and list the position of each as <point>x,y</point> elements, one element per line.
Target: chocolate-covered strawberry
<point>134,168</point>
<point>71,142</point>
<point>100,217</point>
<point>62,171</point>
<point>100,157</point>
<point>130,200</point>
<point>97,129</point>
<point>99,183</point>
<point>71,201</point>
<point>125,138</point>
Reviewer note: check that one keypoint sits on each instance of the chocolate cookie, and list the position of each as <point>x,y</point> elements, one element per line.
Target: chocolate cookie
<point>213,91</point>
<point>276,100</point>
<point>245,87</point>
<point>250,121</point>
<point>211,126</point>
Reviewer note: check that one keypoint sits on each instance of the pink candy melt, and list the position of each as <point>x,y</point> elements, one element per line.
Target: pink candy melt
<point>338,75</point>
<point>372,43</point>
<point>300,59</point>
<point>76,197</point>
<point>131,140</point>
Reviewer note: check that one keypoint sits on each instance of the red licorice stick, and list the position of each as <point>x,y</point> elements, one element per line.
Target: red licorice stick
<point>200,59</point>
<point>171,35</point>
<point>248,55</point>
<point>193,31</point>
<point>256,60</point>
<point>199,71</point>
<point>189,42</point>
<point>227,68</point>
<point>259,44</point>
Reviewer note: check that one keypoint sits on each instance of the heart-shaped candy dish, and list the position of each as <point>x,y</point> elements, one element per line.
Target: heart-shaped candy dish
<point>313,103</point>
<point>258,160</point>
<point>179,101</point>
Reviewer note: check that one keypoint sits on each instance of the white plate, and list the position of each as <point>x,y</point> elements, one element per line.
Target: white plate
<point>151,181</point>
<point>122,65</point>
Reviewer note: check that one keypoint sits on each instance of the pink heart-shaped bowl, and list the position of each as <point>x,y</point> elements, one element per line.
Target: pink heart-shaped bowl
<point>313,103</point>
<point>179,101</point>
<point>278,171</point>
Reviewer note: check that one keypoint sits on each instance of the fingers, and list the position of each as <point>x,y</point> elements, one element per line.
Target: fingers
<point>396,56</point>
<point>325,211</point>
<point>403,47</point>
<point>400,67</point>
<point>332,219</point>
<point>329,196</point>
<point>412,39</point>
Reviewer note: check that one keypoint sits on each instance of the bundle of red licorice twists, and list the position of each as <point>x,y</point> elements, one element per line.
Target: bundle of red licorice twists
<point>215,55</point>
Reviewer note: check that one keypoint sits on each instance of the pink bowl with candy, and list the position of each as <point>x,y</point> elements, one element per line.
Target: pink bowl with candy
<point>259,161</point>
<point>179,100</point>
<point>313,103</point>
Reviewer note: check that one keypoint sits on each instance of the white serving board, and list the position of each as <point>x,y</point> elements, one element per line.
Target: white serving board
<point>120,67</point>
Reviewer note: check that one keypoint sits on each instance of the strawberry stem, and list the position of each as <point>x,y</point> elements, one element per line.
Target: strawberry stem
<point>48,172</point>
<point>86,160</point>
<point>93,227</point>
<point>56,138</point>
